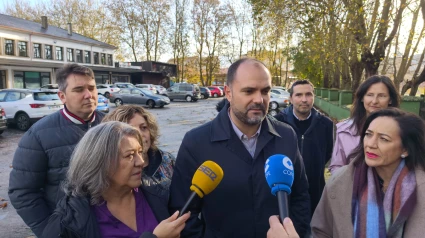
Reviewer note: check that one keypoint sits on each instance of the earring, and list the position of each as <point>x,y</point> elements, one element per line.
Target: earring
<point>403,156</point>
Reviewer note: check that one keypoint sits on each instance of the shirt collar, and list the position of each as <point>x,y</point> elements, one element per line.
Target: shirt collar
<point>293,112</point>
<point>238,132</point>
<point>74,118</point>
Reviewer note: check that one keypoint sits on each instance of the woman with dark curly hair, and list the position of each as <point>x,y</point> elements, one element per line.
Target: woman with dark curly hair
<point>160,164</point>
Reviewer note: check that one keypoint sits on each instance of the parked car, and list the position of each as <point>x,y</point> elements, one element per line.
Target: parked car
<point>26,106</point>
<point>161,90</point>
<point>205,92</point>
<point>278,100</point>
<point>280,87</point>
<point>107,89</point>
<point>184,91</point>
<point>3,121</point>
<point>280,92</point>
<point>215,91</point>
<point>139,96</point>
<point>102,104</point>
<point>149,87</point>
<point>222,89</point>
<point>50,86</point>
<point>123,85</point>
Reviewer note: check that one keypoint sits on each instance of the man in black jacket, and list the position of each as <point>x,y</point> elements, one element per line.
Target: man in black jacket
<point>315,135</point>
<point>41,161</point>
<point>240,139</point>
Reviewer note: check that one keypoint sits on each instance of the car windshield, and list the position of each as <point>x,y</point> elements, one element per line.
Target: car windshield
<point>46,96</point>
<point>147,92</point>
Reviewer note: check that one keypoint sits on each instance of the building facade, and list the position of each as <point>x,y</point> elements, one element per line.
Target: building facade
<point>31,52</point>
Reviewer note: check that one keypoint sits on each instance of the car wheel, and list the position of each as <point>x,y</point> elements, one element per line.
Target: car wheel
<point>151,104</point>
<point>274,105</point>
<point>171,99</point>
<point>188,98</point>
<point>23,121</point>
<point>273,113</point>
<point>162,106</point>
<point>195,100</point>
<point>215,95</point>
<point>107,94</point>
<point>1,132</point>
<point>202,96</point>
<point>118,102</point>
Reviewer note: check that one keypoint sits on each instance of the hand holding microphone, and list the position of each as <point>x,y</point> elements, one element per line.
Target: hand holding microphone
<point>277,230</point>
<point>204,181</point>
<point>279,172</point>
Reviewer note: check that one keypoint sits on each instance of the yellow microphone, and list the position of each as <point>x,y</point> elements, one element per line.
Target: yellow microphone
<point>204,181</point>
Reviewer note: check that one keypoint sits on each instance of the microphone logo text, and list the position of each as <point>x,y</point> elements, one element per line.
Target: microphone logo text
<point>207,171</point>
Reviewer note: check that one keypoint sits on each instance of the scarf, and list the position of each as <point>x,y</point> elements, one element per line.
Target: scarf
<point>379,215</point>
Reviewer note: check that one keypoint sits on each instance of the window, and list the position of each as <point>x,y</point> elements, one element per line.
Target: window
<point>101,78</point>
<point>136,91</point>
<point>103,58</point>
<point>37,50</point>
<point>79,56</point>
<point>22,47</point>
<point>70,55</point>
<point>125,91</point>
<point>2,96</point>
<point>30,79</point>
<point>48,52</point>
<point>9,47</point>
<point>59,53</point>
<point>96,57</point>
<point>87,57</point>
<point>110,60</point>
<point>13,96</point>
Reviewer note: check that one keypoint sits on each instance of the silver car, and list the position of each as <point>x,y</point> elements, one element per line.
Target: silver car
<point>278,100</point>
<point>138,96</point>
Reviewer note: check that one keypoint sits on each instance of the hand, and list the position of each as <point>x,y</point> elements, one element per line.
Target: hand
<point>172,226</point>
<point>277,230</point>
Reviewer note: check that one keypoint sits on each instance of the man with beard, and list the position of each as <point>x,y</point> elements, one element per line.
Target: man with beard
<point>315,135</point>
<point>240,139</point>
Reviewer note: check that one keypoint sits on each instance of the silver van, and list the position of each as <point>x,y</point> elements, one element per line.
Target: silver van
<point>184,91</point>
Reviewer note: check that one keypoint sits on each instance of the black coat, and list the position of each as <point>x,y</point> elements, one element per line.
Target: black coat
<point>242,203</point>
<point>40,164</point>
<point>74,217</point>
<point>316,149</point>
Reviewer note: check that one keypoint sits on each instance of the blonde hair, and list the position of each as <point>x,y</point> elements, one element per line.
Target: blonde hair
<point>125,113</point>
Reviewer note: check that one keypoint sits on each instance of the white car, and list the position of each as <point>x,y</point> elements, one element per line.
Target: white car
<point>149,87</point>
<point>107,89</point>
<point>26,106</point>
<point>280,92</point>
<point>161,90</point>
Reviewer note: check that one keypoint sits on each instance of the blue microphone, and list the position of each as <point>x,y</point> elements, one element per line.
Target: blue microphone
<point>279,172</point>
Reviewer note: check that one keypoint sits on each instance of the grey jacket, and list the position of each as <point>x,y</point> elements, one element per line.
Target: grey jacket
<point>40,164</point>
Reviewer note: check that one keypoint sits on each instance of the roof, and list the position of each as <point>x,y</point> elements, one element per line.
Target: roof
<point>34,27</point>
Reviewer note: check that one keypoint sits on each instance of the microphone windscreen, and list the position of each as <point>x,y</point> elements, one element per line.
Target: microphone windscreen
<point>206,178</point>
<point>279,172</point>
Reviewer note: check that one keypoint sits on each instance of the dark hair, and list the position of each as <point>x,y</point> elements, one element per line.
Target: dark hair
<point>299,82</point>
<point>358,111</point>
<point>412,134</point>
<point>231,72</point>
<point>63,73</point>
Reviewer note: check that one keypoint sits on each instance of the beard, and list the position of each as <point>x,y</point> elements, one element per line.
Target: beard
<point>254,120</point>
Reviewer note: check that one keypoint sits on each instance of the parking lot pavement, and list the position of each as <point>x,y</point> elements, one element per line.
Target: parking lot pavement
<point>174,121</point>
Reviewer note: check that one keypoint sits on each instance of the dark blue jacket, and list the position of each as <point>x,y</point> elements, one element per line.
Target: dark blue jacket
<point>242,203</point>
<point>316,149</point>
<point>40,164</point>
